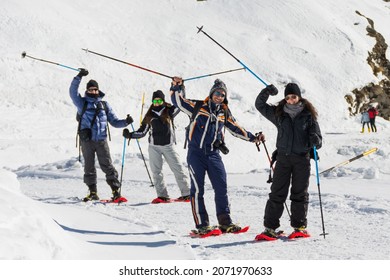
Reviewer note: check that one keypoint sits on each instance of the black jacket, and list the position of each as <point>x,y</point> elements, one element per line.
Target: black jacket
<point>295,136</point>
<point>161,133</point>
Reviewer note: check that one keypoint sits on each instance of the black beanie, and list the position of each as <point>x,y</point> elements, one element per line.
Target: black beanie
<point>292,88</point>
<point>158,94</point>
<point>92,83</point>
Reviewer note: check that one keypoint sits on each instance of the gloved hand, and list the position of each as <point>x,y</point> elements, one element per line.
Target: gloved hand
<point>314,140</point>
<point>83,72</point>
<point>177,84</point>
<point>312,154</point>
<point>259,137</point>
<point>129,119</point>
<point>127,133</point>
<point>271,89</point>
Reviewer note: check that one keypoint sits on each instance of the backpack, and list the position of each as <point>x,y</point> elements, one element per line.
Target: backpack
<point>79,116</point>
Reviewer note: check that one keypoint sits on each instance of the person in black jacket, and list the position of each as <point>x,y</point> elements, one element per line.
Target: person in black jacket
<point>158,121</point>
<point>298,131</point>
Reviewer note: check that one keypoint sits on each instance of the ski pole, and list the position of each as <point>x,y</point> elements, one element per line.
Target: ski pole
<point>208,75</point>
<point>143,158</point>
<point>123,163</point>
<point>350,160</point>
<point>128,63</point>
<point>200,29</point>
<point>319,191</point>
<point>273,170</point>
<point>24,54</point>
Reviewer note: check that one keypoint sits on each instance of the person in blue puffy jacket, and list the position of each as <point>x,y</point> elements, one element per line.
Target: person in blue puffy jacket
<point>94,116</point>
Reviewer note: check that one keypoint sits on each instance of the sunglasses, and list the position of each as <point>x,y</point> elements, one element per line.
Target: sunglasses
<point>158,101</point>
<point>291,96</point>
<point>219,94</point>
<point>93,89</point>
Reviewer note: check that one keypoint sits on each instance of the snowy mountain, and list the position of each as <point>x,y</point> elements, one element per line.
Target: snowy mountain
<point>322,46</point>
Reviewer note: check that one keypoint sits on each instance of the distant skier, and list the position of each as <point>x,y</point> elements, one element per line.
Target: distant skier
<point>372,113</point>
<point>365,120</point>
<point>94,116</point>
<point>298,131</point>
<point>159,122</point>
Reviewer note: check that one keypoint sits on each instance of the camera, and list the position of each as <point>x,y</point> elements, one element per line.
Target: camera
<point>221,146</point>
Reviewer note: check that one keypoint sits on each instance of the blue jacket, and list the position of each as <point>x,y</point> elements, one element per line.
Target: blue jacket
<point>365,117</point>
<point>208,123</point>
<point>99,128</point>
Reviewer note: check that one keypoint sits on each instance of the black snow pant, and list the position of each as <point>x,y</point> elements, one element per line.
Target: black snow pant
<point>101,149</point>
<point>292,169</point>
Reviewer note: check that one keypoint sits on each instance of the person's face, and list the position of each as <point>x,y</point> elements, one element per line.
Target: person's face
<point>218,96</point>
<point>157,102</point>
<point>93,90</point>
<point>292,99</point>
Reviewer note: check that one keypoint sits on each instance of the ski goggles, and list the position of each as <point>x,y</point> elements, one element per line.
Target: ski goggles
<point>219,94</point>
<point>158,101</point>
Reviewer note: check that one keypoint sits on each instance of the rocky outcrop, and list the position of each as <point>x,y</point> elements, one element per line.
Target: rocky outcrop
<point>377,95</point>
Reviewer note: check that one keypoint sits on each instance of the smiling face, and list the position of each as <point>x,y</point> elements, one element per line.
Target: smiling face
<point>218,96</point>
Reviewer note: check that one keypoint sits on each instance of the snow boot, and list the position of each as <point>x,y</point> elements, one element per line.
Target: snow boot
<point>300,232</point>
<point>231,228</point>
<point>161,199</point>
<point>91,196</point>
<point>268,234</point>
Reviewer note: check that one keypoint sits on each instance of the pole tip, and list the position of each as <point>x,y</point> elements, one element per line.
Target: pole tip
<point>24,54</point>
<point>199,29</point>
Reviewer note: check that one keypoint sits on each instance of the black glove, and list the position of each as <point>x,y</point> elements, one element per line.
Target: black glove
<point>83,72</point>
<point>314,140</point>
<point>129,119</point>
<point>127,133</point>
<point>271,89</point>
<point>312,154</point>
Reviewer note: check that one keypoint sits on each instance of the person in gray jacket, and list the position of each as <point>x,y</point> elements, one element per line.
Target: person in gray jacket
<point>158,121</point>
<point>365,120</point>
<point>298,132</point>
<point>94,116</point>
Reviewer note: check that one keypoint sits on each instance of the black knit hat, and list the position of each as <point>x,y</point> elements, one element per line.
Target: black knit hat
<point>218,84</point>
<point>292,88</point>
<point>92,83</point>
<point>158,94</point>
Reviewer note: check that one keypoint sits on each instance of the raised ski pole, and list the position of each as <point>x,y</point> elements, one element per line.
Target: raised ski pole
<point>208,75</point>
<point>350,160</point>
<point>128,63</point>
<point>270,161</point>
<point>200,29</point>
<point>24,54</point>
<point>319,191</point>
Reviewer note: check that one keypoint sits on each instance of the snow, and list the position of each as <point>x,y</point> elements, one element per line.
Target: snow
<point>322,46</point>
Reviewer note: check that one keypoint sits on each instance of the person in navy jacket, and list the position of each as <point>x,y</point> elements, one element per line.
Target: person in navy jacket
<point>205,141</point>
<point>95,115</point>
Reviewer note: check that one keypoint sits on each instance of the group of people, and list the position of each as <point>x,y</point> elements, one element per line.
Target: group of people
<point>368,118</point>
<point>298,133</point>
